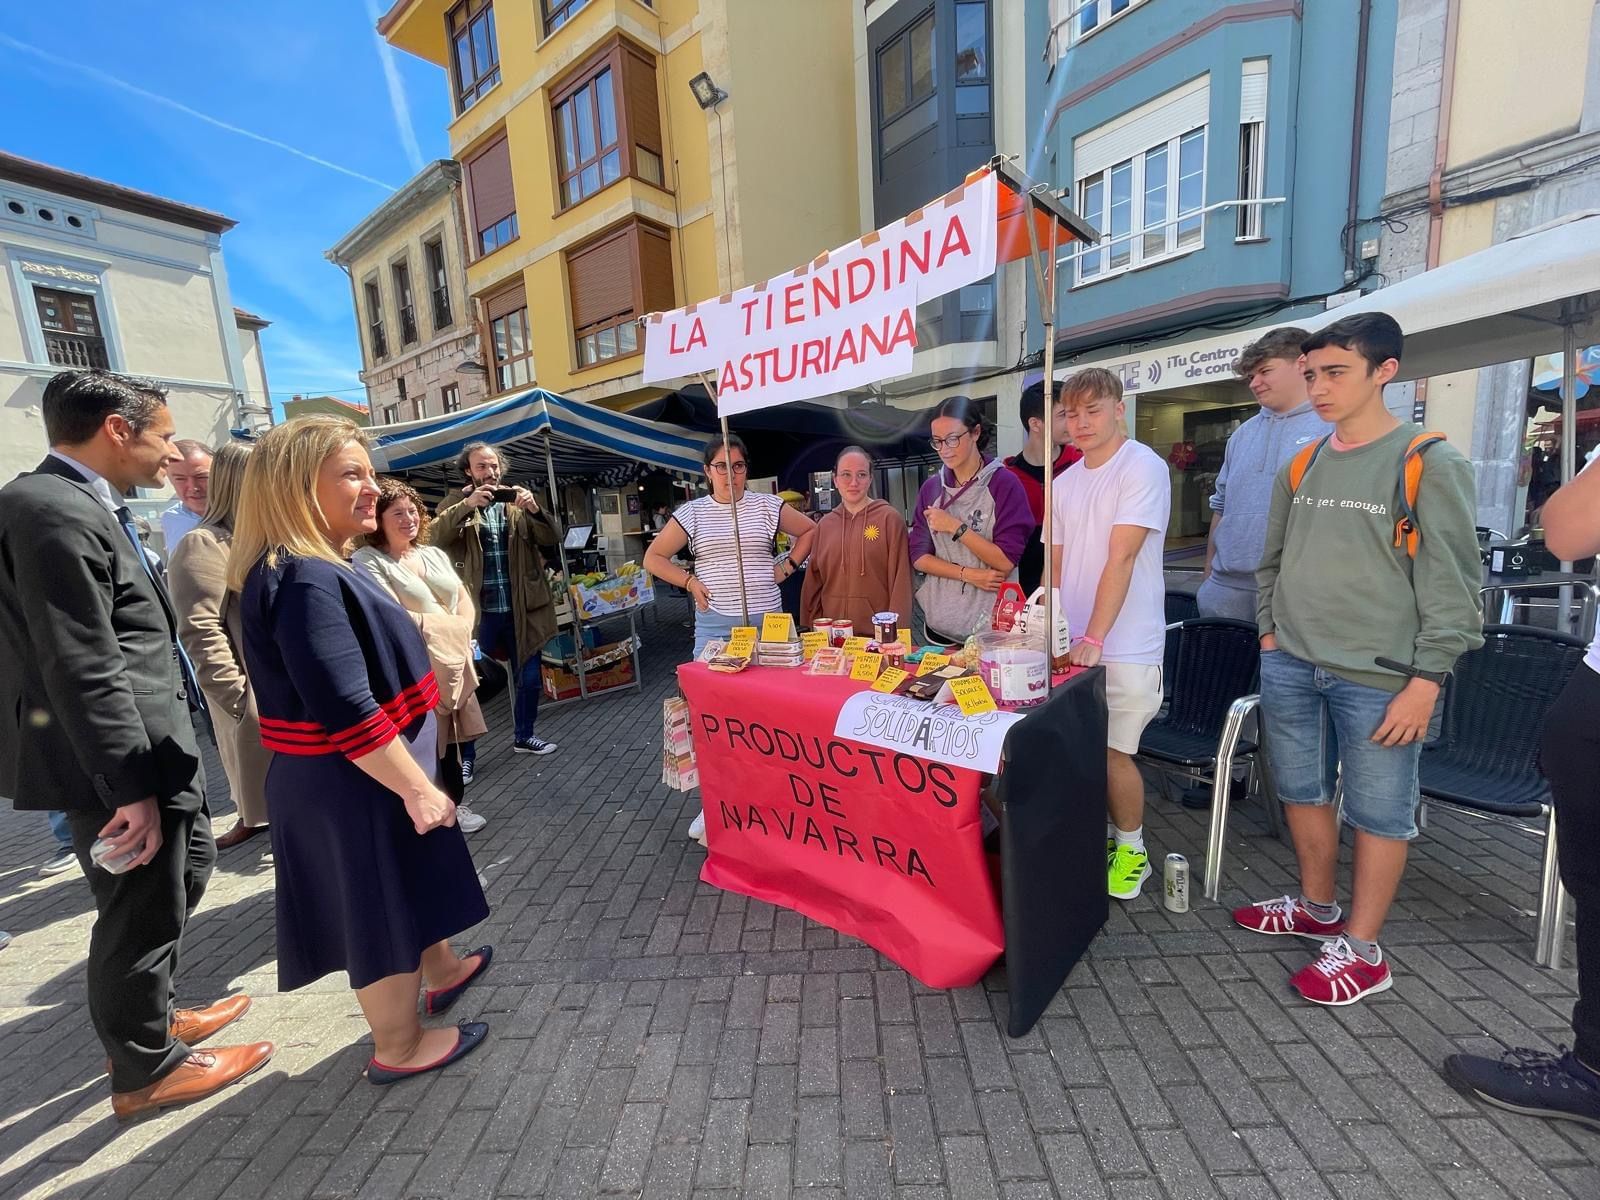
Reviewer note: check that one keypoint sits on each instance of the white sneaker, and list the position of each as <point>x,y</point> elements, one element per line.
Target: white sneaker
<point>697,828</point>
<point>469,821</point>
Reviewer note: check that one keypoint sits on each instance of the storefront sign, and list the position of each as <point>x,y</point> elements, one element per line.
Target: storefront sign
<point>844,320</point>
<point>938,732</point>
<point>1185,364</point>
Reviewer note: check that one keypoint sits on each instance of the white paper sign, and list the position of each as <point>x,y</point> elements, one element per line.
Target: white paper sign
<point>842,321</point>
<point>937,732</point>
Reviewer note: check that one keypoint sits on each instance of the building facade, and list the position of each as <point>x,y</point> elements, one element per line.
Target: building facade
<point>932,105</point>
<point>421,347</point>
<point>330,406</point>
<point>1231,155</point>
<point>99,275</point>
<point>1477,156</point>
<point>598,189</point>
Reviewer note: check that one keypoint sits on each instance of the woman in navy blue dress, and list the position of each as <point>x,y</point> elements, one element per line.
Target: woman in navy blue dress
<point>372,874</point>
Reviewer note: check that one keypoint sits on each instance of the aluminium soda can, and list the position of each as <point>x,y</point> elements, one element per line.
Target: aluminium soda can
<point>1175,883</point>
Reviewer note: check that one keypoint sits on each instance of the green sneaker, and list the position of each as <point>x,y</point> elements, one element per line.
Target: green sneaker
<point>1126,872</point>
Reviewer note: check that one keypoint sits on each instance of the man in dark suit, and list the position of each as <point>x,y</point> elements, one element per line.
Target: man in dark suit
<point>93,723</point>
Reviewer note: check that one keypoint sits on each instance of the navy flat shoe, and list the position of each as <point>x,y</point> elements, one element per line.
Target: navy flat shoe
<point>469,1036</point>
<point>437,1002</point>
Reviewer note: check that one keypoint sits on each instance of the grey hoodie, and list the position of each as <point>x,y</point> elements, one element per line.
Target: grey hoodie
<point>1257,451</point>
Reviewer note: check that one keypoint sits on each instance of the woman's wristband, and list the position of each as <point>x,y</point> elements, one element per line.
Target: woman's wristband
<point>1097,643</point>
<point>688,578</point>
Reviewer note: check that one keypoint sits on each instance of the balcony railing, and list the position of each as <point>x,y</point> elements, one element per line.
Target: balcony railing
<point>408,324</point>
<point>75,349</point>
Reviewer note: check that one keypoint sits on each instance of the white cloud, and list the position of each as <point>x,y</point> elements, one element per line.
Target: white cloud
<point>397,92</point>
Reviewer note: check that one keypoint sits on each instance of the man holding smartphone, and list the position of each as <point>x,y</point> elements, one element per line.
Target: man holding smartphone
<point>492,534</point>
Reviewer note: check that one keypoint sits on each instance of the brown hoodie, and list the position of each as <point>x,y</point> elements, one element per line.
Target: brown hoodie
<point>860,565</point>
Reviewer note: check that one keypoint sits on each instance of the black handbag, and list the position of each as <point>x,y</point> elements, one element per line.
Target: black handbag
<point>492,678</point>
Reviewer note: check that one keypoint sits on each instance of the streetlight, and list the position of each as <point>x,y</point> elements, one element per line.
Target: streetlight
<point>706,93</point>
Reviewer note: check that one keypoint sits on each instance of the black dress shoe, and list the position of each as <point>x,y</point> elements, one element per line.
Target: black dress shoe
<point>469,1036</point>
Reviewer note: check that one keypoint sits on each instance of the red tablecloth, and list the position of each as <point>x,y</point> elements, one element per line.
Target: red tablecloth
<point>883,846</point>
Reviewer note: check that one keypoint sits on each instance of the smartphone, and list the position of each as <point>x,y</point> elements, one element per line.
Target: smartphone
<point>504,495</point>
<point>104,857</point>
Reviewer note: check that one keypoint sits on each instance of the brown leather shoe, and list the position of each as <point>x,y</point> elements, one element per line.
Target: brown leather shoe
<point>239,833</point>
<point>191,1025</point>
<point>198,1076</point>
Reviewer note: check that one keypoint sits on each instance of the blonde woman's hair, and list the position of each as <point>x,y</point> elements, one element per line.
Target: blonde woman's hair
<point>227,480</point>
<point>278,513</point>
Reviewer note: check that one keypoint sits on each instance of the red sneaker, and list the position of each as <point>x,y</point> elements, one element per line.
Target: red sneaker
<point>1285,915</point>
<point>1340,976</point>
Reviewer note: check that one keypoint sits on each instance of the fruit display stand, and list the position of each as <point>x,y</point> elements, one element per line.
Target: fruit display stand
<point>593,607</point>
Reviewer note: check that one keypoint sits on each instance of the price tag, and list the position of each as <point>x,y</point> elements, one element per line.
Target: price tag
<point>972,695</point>
<point>866,666</point>
<point>777,627</point>
<point>855,645</point>
<point>904,638</point>
<point>931,663</point>
<point>810,643</point>
<point>741,642</point>
<point>889,680</point>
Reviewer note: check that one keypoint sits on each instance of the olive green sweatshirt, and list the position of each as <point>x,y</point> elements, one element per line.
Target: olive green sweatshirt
<point>1337,592</point>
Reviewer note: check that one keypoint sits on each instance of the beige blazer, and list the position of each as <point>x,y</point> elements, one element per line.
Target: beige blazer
<point>438,603</point>
<point>209,628</point>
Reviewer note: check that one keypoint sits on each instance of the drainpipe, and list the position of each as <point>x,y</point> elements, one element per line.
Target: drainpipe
<point>1441,155</point>
<point>1357,121</point>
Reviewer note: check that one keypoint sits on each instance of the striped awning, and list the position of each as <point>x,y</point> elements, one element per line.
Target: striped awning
<point>586,442</point>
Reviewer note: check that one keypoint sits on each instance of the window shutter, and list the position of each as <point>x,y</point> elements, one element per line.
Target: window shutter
<point>489,181</point>
<point>508,301</point>
<point>601,278</point>
<point>644,106</point>
<point>655,269</point>
<point>1161,120</point>
<point>1253,92</point>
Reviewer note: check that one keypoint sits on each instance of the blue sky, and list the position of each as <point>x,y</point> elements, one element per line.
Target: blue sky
<point>309,74</point>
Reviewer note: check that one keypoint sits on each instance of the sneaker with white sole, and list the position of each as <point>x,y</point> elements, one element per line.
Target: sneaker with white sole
<point>697,828</point>
<point>466,773</point>
<point>63,860</point>
<point>1285,916</point>
<point>467,820</point>
<point>1340,976</point>
<point>533,745</point>
<point>1126,872</point>
<point>1533,1082</point>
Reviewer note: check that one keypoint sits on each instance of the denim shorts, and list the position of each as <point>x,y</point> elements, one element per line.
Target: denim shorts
<point>713,626</point>
<point>1312,719</point>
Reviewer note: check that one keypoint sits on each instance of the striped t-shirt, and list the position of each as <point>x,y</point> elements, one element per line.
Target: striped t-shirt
<point>710,529</point>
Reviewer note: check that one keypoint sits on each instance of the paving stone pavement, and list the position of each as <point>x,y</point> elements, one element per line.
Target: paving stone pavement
<point>652,1036</point>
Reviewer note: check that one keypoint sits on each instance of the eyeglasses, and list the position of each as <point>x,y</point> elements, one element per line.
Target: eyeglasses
<point>948,443</point>
<point>739,468</point>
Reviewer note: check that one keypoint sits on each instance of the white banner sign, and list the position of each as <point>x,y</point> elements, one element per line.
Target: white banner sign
<point>845,320</point>
<point>937,732</point>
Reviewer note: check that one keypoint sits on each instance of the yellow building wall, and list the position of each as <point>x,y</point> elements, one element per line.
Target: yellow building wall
<point>792,70</point>
<point>1502,48</point>
<point>1453,398</point>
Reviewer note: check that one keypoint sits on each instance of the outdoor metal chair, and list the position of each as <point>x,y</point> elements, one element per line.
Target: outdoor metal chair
<point>1485,763</point>
<point>1199,735</point>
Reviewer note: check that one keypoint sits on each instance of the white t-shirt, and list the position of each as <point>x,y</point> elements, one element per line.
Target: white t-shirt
<point>710,529</point>
<point>1133,487</point>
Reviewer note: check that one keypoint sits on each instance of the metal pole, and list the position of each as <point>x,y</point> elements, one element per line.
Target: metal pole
<point>1045,282</point>
<point>561,550</point>
<point>1569,445</point>
<point>733,506</point>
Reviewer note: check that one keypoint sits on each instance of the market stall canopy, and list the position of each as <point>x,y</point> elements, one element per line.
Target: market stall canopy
<point>586,442</point>
<point>1509,301</point>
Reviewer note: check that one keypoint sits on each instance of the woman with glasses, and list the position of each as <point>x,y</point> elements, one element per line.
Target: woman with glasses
<point>971,525</point>
<point>859,563</point>
<point>705,526</point>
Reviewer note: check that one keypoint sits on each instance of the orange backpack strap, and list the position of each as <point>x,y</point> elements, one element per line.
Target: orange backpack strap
<point>1407,530</point>
<point>1301,463</point>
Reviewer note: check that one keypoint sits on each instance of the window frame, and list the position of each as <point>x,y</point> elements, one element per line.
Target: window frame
<point>612,55</point>
<point>1251,223</point>
<point>1066,29</point>
<point>511,363</point>
<point>504,231</point>
<point>377,336</point>
<point>405,300</point>
<point>1138,194</point>
<point>391,414</point>
<point>467,93</point>
<point>565,10</point>
<point>450,398</point>
<point>630,230</point>
<point>913,102</point>
<point>96,346</point>
<point>438,281</point>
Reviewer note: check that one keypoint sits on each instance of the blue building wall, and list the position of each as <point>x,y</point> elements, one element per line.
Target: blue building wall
<point>1158,45</point>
